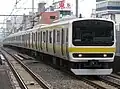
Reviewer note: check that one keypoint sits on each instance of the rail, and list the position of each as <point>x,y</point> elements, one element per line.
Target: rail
<point>39,80</point>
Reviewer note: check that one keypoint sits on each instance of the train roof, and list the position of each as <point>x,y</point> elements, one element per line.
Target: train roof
<point>26,31</point>
<point>60,22</point>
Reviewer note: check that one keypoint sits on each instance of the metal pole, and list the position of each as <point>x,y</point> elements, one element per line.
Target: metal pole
<point>33,12</point>
<point>53,1</point>
<point>33,7</point>
<point>76,8</point>
<point>16,1</point>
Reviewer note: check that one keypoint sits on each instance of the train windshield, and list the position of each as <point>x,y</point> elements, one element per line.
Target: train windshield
<point>93,33</point>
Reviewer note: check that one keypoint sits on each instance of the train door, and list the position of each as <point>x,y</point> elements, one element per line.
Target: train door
<point>32,40</point>
<point>36,41</point>
<point>50,46</point>
<point>47,41</point>
<point>44,41</point>
<point>22,40</point>
<point>58,42</point>
<point>41,40</point>
<point>62,42</point>
<point>29,40</point>
<point>66,42</point>
<point>54,40</point>
<point>25,39</point>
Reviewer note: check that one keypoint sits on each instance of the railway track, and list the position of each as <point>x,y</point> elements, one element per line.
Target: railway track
<point>25,77</point>
<point>112,79</point>
<point>96,83</point>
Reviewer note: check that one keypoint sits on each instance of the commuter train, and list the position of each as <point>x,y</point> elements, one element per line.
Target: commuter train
<point>85,46</point>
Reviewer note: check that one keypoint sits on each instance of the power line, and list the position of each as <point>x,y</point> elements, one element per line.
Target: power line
<point>21,6</point>
<point>12,9</point>
<point>12,15</point>
<point>26,8</point>
<point>15,5</point>
<point>6,23</point>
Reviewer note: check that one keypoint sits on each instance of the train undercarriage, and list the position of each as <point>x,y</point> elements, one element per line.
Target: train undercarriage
<point>91,67</point>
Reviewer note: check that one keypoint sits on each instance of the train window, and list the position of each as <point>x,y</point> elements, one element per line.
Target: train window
<point>46,36</point>
<point>43,36</point>
<point>41,39</point>
<point>18,37</point>
<point>32,40</point>
<point>34,36</point>
<point>50,36</point>
<point>58,36</point>
<point>38,38</point>
<point>25,37</point>
<point>62,36</point>
<point>67,35</point>
<point>85,33</point>
<point>28,37</point>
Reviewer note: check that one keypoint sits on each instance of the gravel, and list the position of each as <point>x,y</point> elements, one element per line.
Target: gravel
<point>58,79</point>
<point>5,80</point>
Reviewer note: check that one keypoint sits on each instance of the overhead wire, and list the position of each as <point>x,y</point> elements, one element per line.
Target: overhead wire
<point>20,7</point>
<point>11,11</point>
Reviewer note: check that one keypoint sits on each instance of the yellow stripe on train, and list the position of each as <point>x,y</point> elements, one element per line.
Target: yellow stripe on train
<point>92,49</point>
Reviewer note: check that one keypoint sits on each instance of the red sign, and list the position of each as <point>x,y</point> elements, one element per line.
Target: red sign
<point>61,4</point>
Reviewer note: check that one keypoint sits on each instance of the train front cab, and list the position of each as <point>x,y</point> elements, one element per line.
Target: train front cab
<point>92,48</point>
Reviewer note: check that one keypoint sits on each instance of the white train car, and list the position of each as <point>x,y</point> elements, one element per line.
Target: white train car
<point>84,45</point>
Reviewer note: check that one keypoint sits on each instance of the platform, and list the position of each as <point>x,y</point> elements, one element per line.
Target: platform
<point>5,81</point>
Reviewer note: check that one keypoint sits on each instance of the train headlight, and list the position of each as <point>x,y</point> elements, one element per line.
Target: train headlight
<point>105,55</point>
<point>80,55</point>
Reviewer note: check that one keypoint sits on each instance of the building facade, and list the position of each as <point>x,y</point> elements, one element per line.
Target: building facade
<point>109,9</point>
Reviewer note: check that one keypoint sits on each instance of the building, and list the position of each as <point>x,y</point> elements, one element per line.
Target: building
<point>8,28</point>
<point>109,9</point>
<point>54,12</point>
<point>93,14</point>
<point>48,17</point>
<point>42,16</point>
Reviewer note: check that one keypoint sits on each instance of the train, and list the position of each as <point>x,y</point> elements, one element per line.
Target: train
<point>85,46</point>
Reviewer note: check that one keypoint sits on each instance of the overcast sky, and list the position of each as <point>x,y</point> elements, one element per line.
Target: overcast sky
<point>6,6</point>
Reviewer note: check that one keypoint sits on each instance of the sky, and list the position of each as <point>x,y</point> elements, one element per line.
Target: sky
<point>6,6</point>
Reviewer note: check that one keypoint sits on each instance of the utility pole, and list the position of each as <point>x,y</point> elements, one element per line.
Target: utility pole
<point>33,7</point>
<point>16,1</point>
<point>76,8</point>
<point>77,3</point>
<point>53,1</point>
<point>32,13</point>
